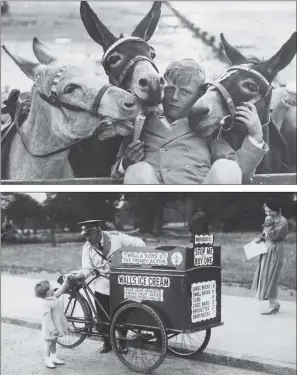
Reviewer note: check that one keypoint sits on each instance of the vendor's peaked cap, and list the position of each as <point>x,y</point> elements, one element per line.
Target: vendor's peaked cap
<point>90,225</point>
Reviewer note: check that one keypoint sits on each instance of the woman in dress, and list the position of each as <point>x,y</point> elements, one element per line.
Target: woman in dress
<point>265,283</point>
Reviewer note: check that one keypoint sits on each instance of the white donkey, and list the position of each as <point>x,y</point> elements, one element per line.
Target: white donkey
<point>69,104</point>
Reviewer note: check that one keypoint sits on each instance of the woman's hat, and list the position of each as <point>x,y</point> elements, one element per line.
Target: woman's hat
<point>89,225</point>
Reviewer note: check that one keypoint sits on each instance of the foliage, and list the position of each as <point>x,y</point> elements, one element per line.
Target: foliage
<point>226,211</point>
<point>233,211</point>
<point>67,209</point>
<point>20,208</point>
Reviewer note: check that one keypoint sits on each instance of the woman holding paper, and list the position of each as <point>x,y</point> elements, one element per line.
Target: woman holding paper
<point>265,283</point>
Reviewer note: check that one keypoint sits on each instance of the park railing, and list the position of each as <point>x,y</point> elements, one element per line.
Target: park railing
<point>207,38</point>
<point>260,179</point>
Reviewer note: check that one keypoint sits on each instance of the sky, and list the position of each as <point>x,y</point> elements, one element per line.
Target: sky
<point>256,6</point>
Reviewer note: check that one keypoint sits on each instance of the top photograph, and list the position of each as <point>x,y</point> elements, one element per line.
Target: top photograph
<point>143,92</point>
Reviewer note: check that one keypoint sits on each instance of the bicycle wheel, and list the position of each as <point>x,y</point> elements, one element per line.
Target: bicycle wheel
<point>146,345</point>
<point>79,317</point>
<point>188,344</point>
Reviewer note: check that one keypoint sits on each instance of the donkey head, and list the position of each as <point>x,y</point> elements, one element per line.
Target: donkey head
<point>68,94</point>
<point>242,85</point>
<point>129,61</point>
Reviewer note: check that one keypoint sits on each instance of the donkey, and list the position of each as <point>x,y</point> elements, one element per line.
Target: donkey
<point>68,105</point>
<point>248,79</point>
<point>128,62</point>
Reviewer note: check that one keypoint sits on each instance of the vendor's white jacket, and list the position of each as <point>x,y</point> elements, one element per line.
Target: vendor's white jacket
<point>111,241</point>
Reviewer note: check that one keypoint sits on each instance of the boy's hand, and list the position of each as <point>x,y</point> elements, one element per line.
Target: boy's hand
<point>133,154</point>
<point>247,114</point>
<point>69,277</point>
<point>55,332</point>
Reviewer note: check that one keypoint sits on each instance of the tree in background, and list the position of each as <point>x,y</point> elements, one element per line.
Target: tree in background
<point>229,212</point>
<point>4,8</point>
<point>20,208</point>
<point>147,210</point>
<point>240,211</point>
<point>67,209</point>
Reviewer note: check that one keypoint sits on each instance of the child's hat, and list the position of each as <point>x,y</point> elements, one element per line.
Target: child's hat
<point>90,225</point>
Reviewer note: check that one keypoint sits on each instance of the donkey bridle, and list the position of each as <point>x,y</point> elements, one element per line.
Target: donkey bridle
<point>230,119</point>
<point>54,100</point>
<point>117,81</point>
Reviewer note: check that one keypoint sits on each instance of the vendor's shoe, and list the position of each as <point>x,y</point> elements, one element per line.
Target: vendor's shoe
<point>105,348</point>
<point>49,363</point>
<point>56,360</point>
<point>122,347</point>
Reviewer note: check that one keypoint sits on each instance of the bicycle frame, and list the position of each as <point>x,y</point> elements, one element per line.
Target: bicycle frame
<point>86,287</point>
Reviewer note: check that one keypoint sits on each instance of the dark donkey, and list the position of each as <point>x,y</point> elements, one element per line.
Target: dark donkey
<point>128,62</point>
<point>248,79</point>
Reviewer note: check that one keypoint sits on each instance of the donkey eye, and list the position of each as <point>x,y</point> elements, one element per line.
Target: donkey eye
<point>70,88</point>
<point>114,59</point>
<point>153,53</point>
<point>251,87</point>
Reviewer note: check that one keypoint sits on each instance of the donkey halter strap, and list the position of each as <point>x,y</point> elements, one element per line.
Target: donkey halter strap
<point>248,68</point>
<point>117,43</point>
<point>225,94</point>
<point>56,102</point>
<point>118,81</point>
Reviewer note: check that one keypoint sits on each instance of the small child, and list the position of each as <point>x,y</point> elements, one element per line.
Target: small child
<point>54,322</point>
<point>268,224</point>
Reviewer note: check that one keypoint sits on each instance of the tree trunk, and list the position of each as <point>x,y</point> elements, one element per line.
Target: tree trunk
<point>159,220</point>
<point>53,234</point>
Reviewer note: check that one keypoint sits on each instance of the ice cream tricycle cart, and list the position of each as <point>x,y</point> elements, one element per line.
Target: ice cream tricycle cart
<point>160,298</point>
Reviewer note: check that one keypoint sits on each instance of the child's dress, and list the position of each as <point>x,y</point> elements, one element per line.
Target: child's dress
<point>53,319</point>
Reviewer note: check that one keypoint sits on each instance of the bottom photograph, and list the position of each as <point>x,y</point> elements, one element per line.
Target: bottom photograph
<point>115,283</point>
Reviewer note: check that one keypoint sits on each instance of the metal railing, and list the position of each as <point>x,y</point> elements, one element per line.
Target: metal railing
<point>260,179</point>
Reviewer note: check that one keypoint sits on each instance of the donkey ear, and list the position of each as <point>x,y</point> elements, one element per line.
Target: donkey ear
<point>147,26</point>
<point>232,53</point>
<point>96,29</point>
<point>283,57</point>
<point>41,52</point>
<point>28,67</point>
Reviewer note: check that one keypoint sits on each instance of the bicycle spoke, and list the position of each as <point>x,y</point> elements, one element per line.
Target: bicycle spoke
<point>187,344</point>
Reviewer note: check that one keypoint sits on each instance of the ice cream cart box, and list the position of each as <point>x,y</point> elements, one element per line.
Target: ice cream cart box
<point>183,285</point>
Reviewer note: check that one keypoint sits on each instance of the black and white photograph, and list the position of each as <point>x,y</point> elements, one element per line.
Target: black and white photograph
<point>105,270</point>
<point>162,283</point>
<point>164,92</point>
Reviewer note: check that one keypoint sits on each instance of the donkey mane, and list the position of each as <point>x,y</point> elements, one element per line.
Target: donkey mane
<point>26,105</point>
<point>260,65</point>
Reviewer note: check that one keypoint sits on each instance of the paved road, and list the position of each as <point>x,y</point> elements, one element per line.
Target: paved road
<point>249,333</point>
<point>21,353</point>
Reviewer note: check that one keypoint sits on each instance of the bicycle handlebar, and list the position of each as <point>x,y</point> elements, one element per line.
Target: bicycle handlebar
<point>96,272</point>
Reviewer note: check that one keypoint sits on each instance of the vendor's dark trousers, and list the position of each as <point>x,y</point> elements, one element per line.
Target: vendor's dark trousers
<point>104,301</point>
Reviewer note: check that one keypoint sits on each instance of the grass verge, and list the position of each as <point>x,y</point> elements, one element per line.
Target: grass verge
<point>236,269</point>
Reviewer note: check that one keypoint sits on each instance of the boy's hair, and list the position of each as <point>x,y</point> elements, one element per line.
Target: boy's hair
<point>185,71</point>
<point>42,288</point>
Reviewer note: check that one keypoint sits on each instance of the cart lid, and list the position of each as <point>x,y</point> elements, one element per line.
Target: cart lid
<point>166,257</point>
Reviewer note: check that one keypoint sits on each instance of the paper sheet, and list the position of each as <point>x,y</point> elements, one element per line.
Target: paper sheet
<point>253,249</point>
